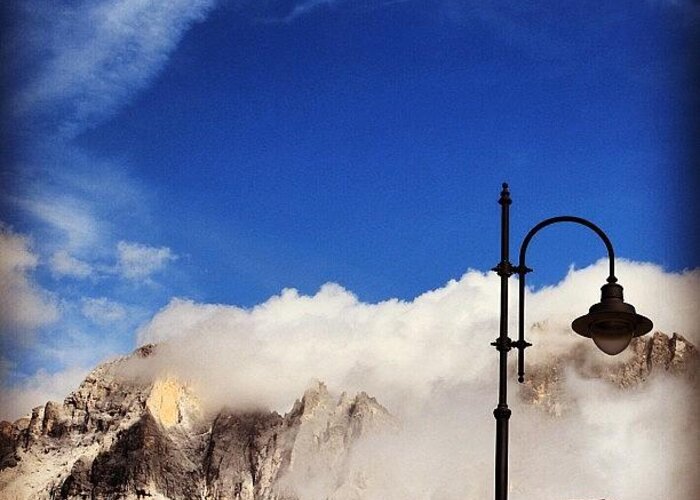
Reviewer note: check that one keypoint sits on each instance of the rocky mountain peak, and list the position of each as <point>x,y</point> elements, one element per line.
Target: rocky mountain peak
<point>145,350</point>
<point>116,437</point>
<point>674,354</point>
<point>316,400</point>
<point>650,355</point>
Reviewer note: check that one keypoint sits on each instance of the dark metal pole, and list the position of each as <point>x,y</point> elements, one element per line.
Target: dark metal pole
<point>503,344</point>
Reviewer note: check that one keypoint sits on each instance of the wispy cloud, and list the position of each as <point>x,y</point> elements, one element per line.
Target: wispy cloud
<point>77,214</point>
<point>307,7</point>
<point>93,56</point>
<point>24,305</point>
<point>303,8</point>
<point>102,310</point>
<point>70,220</point>
<point>138,262</point>
<point>63,264</point>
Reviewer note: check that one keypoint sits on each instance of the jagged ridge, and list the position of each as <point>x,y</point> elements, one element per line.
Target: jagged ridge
<point>115,438</point>
<point>650,354</point>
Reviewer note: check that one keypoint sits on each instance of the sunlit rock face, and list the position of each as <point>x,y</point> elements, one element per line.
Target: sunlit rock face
<point>648,356</point>
<point>120,439</point>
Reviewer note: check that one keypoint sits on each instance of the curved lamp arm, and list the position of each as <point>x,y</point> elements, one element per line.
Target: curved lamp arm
<point>522,270</point>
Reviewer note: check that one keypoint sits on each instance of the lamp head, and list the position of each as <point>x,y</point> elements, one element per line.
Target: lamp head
<point>612,323</point>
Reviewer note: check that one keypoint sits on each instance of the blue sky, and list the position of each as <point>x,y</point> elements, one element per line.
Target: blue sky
<point>223,151</point>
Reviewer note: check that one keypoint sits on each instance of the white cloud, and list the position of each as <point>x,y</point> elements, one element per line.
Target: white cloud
<point>63,264</point>
<point>93,56</point>
<point>23,303</point>
<point>102,310</point>
<point>136,261</point>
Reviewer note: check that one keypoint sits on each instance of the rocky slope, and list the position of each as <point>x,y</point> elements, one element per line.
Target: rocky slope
<point>650,355</point>
<point>115,438</point>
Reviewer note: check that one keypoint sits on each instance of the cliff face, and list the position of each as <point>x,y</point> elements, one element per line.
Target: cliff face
<point>118,439</point>
<point>650,355</point>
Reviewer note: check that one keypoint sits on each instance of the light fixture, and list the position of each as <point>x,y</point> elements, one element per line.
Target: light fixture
<point>612,323</point>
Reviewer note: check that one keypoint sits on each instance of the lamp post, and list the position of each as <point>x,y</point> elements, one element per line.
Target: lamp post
<point>611,323</point>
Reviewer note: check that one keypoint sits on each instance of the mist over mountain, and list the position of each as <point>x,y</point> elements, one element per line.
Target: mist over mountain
<point>117,437</point>
<point>124,435</point>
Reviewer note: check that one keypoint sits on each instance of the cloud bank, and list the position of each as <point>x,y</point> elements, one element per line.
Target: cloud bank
<point>270,352</point>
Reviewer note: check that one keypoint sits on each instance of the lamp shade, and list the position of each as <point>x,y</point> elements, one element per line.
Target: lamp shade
<point>612,323</point>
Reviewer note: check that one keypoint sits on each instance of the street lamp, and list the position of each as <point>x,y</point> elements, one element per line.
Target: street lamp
<point>611,323</point>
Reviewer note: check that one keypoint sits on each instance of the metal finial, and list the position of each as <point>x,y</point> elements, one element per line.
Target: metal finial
<point>505,195</point>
